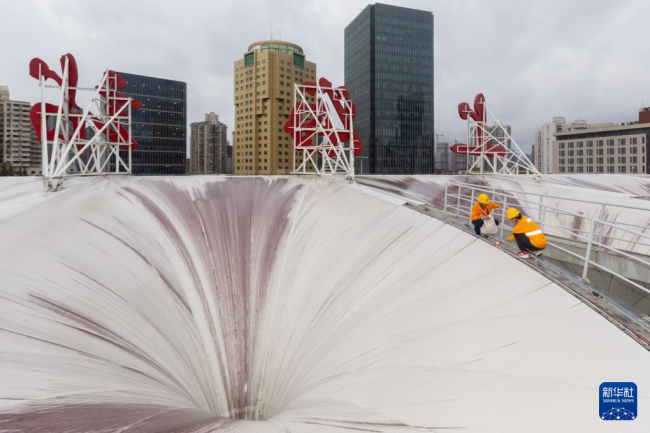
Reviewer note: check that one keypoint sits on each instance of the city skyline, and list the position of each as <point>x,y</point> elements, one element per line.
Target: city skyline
<point>543,59</point>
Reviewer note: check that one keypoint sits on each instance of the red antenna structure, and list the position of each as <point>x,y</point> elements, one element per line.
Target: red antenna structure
<point>328,143</point>
<point>490,149</point>
<point>74,141</point>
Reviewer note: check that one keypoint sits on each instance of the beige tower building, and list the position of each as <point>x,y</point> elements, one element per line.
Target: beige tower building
<point>264,80</point>
<point>208,146</point>
<point>20,150</point>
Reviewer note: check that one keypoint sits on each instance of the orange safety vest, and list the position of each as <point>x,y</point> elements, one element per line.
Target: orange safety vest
<point>532,230</point>
<point>477,211</point>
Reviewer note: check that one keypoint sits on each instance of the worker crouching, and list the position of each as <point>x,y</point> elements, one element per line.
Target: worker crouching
<point>529,237</point>
<point>481,211</point>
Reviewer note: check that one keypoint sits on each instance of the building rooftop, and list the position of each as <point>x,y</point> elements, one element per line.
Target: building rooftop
<point>276,45</point>
<point>224,301</point>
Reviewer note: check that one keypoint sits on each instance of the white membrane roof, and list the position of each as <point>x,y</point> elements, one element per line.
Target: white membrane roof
<point>283,304</point>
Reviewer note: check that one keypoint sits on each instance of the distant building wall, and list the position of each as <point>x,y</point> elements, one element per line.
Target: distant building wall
<point>499,133</point>
<point>208,146</point>
<point>603,148</point>
<point>447,162</point>
<point>229,168</point>
<point>20,150</point>
<point>543,145</point>
<point>441,158</point>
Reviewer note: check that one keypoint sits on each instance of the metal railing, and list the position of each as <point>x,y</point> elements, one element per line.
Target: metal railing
<point>600,233</point>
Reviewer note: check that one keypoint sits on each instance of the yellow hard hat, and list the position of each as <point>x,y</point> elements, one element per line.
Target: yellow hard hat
<point>512,213</point>
<point>483,199</point>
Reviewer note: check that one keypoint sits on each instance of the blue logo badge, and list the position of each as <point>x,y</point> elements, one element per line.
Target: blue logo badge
<point>618,401</point>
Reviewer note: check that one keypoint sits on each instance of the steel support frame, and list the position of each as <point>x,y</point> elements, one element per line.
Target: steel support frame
<point>91,156</point>
<point>323,139</point>
<point>513,162</point>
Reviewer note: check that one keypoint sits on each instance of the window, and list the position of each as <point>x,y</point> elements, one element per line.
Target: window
<point>621,160</point>
<point>561,145</point>
<point>249,59</point>
<point>621,169</point>
<point>600,169</point>
<point>570,145</point>
<point>298,60</point>
<point>621,151</point>
<point>610,142</point>
<point>599,143</point>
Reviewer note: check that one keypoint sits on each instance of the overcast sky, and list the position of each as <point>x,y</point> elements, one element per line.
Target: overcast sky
<point>533,60</point>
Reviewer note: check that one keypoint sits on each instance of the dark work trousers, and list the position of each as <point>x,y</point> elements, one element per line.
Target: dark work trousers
<point>479,223</point>
<point>524,243</point>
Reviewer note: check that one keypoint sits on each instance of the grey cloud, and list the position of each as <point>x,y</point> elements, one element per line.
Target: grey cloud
<point>532,59</point>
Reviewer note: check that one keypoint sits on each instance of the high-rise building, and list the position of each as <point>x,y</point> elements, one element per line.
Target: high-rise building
<point>208,146</point>
<point>603,147</point>
<point>160,126</point>
<point>389,72</point>
<point>542,145</point>
<point>20,150</point>
<point>264,83</point>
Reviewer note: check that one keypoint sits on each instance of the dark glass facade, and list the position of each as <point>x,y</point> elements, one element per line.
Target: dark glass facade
<point>160,126</point>
<point>389,72</point>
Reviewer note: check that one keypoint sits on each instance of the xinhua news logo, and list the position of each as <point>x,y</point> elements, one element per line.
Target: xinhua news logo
<point>618,401</point>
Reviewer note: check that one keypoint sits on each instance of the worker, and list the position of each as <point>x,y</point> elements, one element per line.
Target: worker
<point>529,237</point>
<point>481,211</point>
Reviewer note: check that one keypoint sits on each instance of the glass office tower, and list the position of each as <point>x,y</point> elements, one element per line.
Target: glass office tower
<point>389,72</point>
<point>160,126</point>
